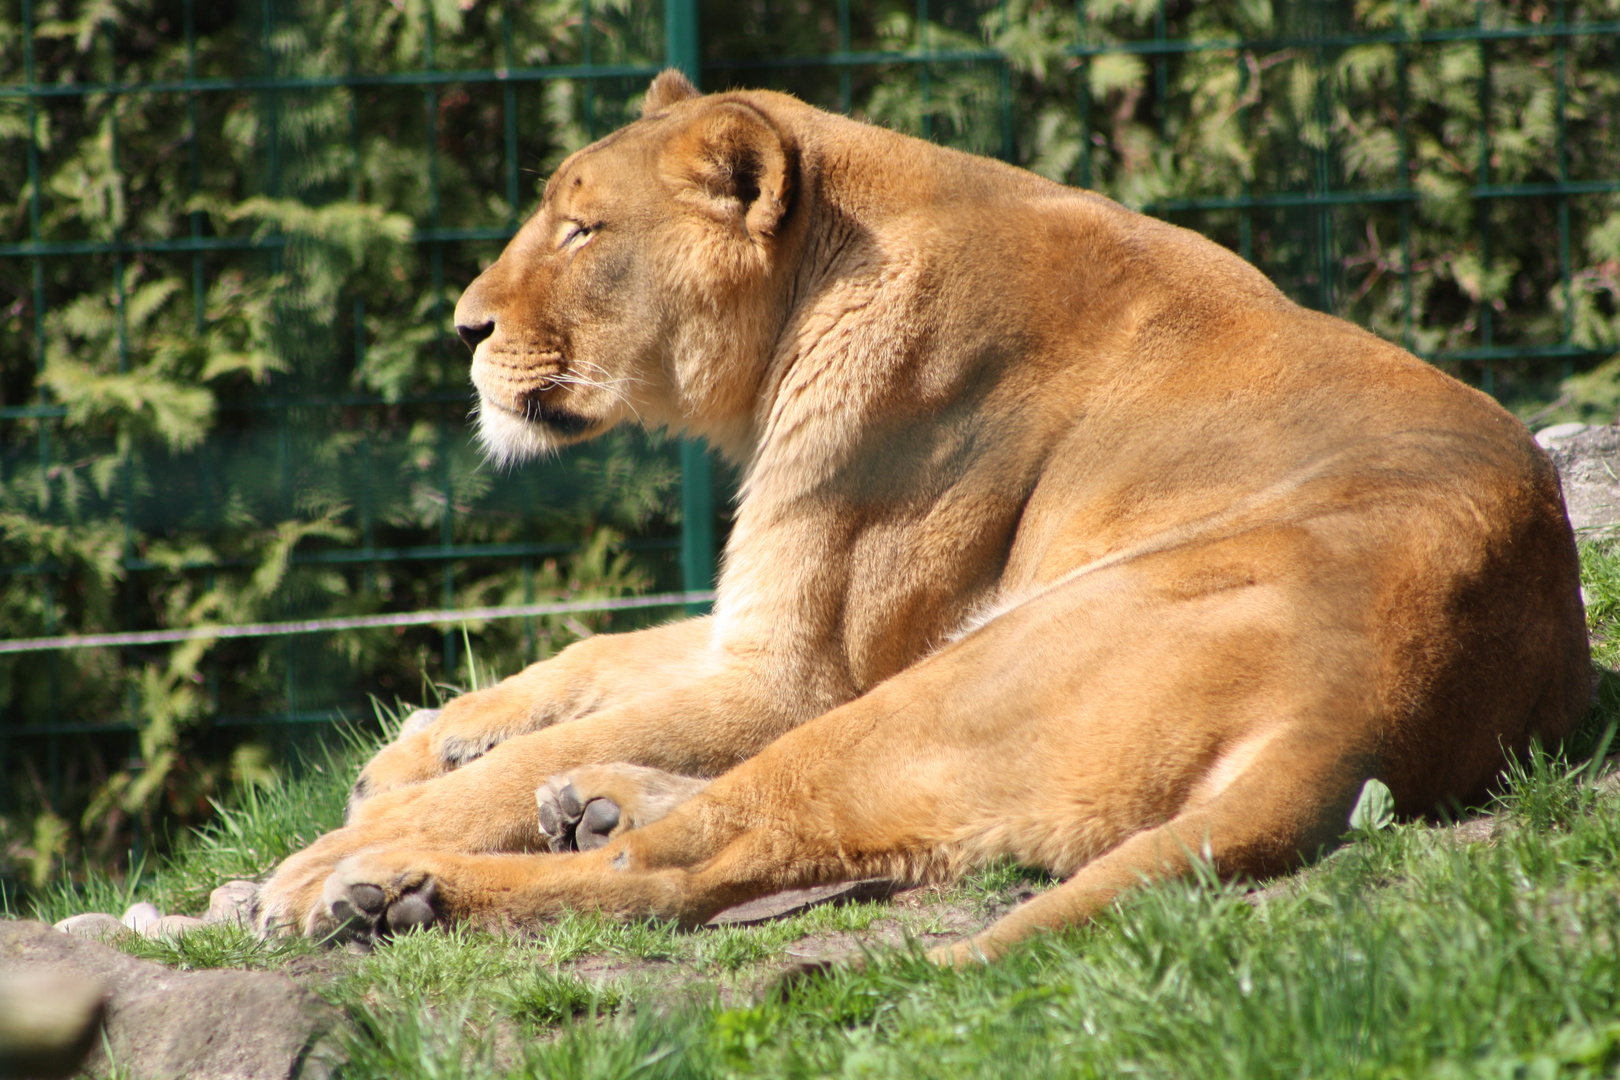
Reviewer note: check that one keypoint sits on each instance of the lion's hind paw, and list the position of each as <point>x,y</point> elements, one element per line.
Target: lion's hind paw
<point>586,807</point>
<point>572,822</point>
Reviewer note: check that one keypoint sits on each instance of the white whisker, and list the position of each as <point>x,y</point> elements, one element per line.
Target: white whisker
<point>605,373</point>
<point>610,386</point>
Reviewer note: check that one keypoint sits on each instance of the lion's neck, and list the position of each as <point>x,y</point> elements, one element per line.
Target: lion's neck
<point>894,449</point>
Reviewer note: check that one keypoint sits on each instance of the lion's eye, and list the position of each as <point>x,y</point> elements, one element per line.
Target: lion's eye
<point>576,232</point>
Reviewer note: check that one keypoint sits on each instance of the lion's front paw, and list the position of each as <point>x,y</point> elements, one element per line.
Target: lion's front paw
<point>368,897</point>
<point>584,808</point>
<point>433,742</point>
<point>291,902</point>
<point>411,759</point>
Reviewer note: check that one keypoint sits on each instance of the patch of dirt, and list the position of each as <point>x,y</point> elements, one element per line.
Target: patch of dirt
<point>924,915</point>
<point>314,969</point>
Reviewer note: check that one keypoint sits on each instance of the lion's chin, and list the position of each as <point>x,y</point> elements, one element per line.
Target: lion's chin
<point>510,438</point>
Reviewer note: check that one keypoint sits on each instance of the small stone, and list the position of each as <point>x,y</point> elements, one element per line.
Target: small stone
<point>96,925</point>
<point>1480,830</point>
<point>140,916</point>
<point>171,926</point>
<point>231,902</point>
<point>420,720</point>
<point>48,1021</point>
<point>1558,433</point>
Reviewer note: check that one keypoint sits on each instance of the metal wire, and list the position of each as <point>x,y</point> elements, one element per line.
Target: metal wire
<point>447,616</point>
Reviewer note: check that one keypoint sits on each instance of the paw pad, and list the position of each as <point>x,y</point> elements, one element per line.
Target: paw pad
<point>572,823</point>
<point>363,912</point>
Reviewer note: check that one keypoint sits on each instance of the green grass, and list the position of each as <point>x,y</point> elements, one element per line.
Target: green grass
<point>261,825</point>
<point>1411,952</point>
<point>223,945</point>
<point>1406,954</point>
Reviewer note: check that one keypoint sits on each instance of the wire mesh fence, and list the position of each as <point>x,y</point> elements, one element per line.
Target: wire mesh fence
<point>236,230</point>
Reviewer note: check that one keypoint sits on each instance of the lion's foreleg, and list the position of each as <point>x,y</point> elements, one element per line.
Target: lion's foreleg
<point>489,804</point>
<point>375,894</point>
<point>644,873</point>
<point>823,803</point>
<point>585,678</point>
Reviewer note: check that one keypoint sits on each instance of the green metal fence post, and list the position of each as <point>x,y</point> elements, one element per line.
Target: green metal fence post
<point>697,473</point>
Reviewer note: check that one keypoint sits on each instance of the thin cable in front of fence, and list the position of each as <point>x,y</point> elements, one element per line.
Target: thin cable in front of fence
<point>350,622</point>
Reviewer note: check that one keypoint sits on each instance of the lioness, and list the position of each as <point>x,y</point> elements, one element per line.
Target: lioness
<point>1063,536</point>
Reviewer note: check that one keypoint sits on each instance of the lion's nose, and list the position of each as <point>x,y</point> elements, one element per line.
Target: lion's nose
<point>472,334</point>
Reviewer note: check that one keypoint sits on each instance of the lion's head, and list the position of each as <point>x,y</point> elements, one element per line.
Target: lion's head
<point>648,284</point>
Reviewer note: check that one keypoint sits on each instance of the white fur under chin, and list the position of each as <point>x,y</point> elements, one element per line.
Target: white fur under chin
<point>510,439</point>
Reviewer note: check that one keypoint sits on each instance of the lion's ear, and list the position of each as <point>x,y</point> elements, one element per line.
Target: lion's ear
<point>668,87</point>
<point>735,165</point>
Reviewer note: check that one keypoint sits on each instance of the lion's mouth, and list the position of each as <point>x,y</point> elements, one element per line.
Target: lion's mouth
<point>533,409</point>
<point>527,401</point>
<point>537,410</point>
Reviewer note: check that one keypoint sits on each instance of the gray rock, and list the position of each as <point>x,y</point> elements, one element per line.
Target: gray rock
<point>203,1025</point>
<point>1559,432</point>
<point>1588,463</point>
<point>141,915</point>
<point>231,902</point>
<point>48,1022</point>
<point>93,924</point>
<point>172,926</point>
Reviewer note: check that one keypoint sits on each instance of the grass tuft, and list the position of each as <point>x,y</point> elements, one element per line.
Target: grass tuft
<point>542,997</point>
<point>222,945</point>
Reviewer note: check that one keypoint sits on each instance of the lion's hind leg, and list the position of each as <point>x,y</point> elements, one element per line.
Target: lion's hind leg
<point>1292,800</point>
